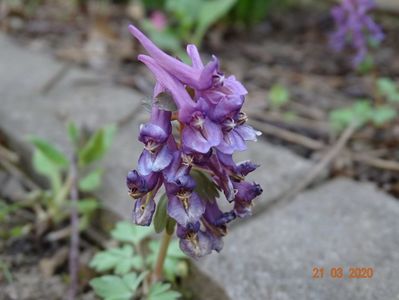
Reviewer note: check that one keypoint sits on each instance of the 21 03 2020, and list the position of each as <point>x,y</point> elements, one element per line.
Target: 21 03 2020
<point>343,273</point>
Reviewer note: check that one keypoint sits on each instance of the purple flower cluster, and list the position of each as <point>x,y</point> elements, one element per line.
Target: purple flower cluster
<point>210,127</point>
<point>355,27</point>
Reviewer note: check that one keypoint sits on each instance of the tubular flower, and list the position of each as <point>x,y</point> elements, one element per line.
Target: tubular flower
<point>210,128</point>
<point>355,28</point>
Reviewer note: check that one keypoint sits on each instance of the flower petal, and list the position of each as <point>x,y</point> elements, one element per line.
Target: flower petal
<point>196,244</point>
<point>145,163</point>
<point>162,159</point>
<point>199,141</point>
<point>143,211</point>
<point>153,132</point>
<point>197,78</point>
<point>193,53</point>
<point>179,93</point>
<point>231,142</point>
<point>247,132</point>
<point>183,216</point>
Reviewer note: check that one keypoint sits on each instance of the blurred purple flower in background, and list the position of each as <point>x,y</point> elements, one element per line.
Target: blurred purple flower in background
<point>355,28</point>
<point>211,127</point>
<point>159,20</point>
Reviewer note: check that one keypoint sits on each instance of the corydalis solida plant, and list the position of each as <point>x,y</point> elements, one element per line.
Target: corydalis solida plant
<point>355,28</point>
<point>211,127</point>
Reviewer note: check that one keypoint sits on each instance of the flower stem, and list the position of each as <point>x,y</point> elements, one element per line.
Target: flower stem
<point>158,272</point>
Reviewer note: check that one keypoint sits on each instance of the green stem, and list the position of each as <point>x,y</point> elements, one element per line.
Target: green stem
<point>158,271</point>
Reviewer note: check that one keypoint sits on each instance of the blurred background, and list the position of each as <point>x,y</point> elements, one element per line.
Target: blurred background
<point>72,95</point>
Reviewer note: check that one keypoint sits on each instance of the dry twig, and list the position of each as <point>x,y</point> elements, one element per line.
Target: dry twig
<point>312,175</point>
<point>289,136</point>
<point>378,163</point>
<point>17,173</point>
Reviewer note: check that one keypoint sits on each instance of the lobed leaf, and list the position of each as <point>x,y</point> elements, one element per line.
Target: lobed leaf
<point>383,115</point>
<point>162,291</point>
<point>388,89</point>
<point>121,260</point>
<point>111,287</point>
<point>128,232</point>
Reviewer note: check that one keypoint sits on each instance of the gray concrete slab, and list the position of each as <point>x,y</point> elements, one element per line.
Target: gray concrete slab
<point>81,96</point>
<point>340,224</point>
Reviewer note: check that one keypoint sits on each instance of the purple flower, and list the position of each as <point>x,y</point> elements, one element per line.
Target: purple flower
<point>156,155</point>
<point>143,211</point>
<point>210,128</point>
<point>195,243</point>
<point>200,78</point>
<point>139,185</point>
<point>245,192</point>
<point>215,221</point>
<point>184,205</point>
<point>143,188</point>
<point>201,134</point>
<point>355,28</point>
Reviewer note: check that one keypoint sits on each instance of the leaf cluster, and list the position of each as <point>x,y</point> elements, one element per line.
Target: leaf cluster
<point>364,111</point>
<point>130,267</point>
<point>189,21</point>
<point>54,165</point>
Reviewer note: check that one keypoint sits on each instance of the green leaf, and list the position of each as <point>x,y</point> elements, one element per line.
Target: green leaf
<point>162,291</point>
<point>175,268</point>
<point>97,145</point>
<point>91,181</point>
<point>278,96</point>
<point>121,260</point>
<point>175,251</point>
<point>387,88</point>
<point>366,65</point>
<point>170,225</point>
<point>56,157</point>
<point>210,12</point>
<point>185,11</point>
<point>45,167</point>
<point>19,231</point>
<point>383,115</point>
<point>161,215</point>
<point>73,133</point>
<point>166,39</point>
<point>205,187</point>
<point>87,205</point>
<point>340,118</point>
<point>111,287</point>
<point>360,113</point>
<point>128,232</point>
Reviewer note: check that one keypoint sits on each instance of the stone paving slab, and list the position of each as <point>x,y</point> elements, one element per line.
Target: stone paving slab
<point>90,100</point>
<point>340,224</point>
<point>81,96</point>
